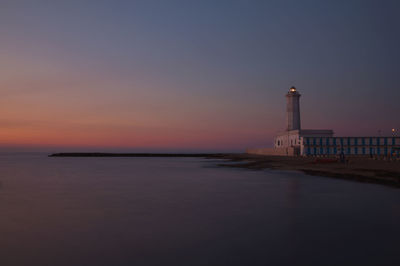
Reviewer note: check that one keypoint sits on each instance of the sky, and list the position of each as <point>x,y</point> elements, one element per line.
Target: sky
<point>193,75</point>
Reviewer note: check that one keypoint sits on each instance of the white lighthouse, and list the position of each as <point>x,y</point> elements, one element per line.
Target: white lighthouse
<point>293,109</point>
<point>290,141</point>
<point>295,141</point>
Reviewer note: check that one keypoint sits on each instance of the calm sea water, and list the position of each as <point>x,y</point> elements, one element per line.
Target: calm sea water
<point>187,211</point>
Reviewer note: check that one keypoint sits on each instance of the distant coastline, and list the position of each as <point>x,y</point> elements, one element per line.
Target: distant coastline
<point>103,154</point>
<point>357,169</point>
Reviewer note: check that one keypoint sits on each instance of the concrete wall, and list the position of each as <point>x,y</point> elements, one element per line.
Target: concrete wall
<point>290,151</point>
<point>293,138</point>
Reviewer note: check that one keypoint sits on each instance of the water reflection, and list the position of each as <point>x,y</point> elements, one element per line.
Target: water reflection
<point>293,192</point>
<point>132,211</point>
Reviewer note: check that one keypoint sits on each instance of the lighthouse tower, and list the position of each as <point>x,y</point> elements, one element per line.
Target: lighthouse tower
<point>293,109</point>
<point>295,141</point>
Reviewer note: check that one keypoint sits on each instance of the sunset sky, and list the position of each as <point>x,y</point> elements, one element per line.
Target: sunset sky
<point>193,75</point>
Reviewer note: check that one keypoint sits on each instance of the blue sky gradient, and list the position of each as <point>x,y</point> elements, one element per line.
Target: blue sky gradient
<point>194,74</point>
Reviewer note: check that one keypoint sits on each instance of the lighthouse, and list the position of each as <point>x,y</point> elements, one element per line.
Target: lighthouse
<point>293,109</point>
<point>294,140</point>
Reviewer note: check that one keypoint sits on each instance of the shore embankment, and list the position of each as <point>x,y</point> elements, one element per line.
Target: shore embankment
<point>359,169</point>
<point>356,168</point>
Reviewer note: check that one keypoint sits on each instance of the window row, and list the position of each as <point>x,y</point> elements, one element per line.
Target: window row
<point>352,141</point>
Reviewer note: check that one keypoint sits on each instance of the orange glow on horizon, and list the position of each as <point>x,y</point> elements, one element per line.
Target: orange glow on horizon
<point>117,138</point>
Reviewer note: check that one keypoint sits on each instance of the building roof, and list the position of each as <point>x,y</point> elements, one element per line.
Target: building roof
<point>308,133</point>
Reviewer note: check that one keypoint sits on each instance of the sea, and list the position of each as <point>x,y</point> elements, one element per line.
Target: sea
<point>188,211</point>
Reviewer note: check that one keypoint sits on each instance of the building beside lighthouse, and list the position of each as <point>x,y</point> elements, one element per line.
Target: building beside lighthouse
<point>294,140</point>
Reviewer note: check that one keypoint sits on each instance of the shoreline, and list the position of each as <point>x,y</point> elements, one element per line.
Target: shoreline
<point>357,169</point>
<point>363,170</point>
